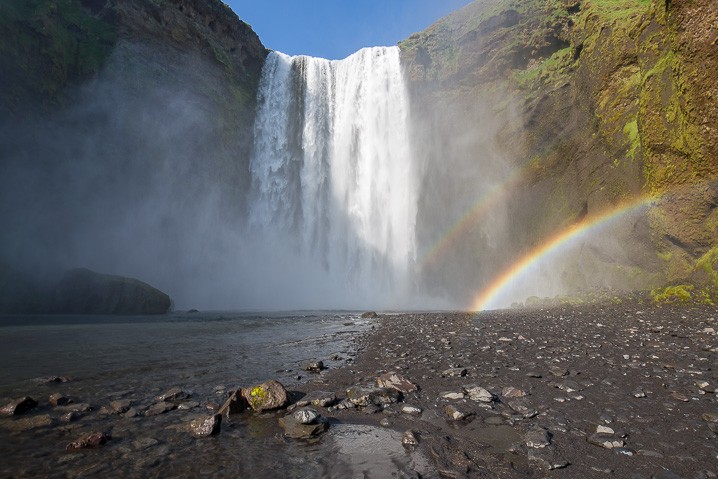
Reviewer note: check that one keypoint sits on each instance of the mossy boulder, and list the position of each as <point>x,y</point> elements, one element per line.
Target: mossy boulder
<point>266,396</point>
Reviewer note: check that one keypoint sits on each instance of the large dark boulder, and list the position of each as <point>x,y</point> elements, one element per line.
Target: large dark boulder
<point>82,291</point>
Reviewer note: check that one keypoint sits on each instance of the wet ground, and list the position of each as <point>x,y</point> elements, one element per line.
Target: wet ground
<point>620,390</point>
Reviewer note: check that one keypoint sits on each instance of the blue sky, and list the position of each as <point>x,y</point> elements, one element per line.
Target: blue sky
<point>335,29</point>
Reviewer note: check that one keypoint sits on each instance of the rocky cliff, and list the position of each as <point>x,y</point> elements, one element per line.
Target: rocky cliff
<point>572,109</point>
<point>126,129</point>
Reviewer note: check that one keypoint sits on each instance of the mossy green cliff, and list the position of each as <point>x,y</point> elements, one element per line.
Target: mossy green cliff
<point>592,102</point>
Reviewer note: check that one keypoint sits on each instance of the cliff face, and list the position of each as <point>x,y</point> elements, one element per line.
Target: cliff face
<point>126,129</point>
<point>574,108</point>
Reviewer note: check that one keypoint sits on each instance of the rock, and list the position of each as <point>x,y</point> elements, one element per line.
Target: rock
<point>187,405</point>
<point>369,315</point>
<point>296,430</point>
<point>545,459</point>
<point>364,397</point>
<point>456,414</point>
<point>604,430</point>
<point>321,398</point>
<point>710,416</point>
<point>235,404</point>
<point>71,416</point>
<point>19,406</point>
<point>306,416</point>
<point>385,422</point>
<point>344,404</point>
<point>639,393</point>
<point>477,393</point>
<point>74,407</point>
<point>315,367</point>
<point>511,392</point>
<point>174,395</point>
<point>144,443</point>
<point>454,373</point>
<point>121,406</point>
<point>411,410</point>
<point>679,396</point>
<point>160,408</point>
<point>409,439</point>
<point>58,399</point>
<point>454,396</point>
<point>82,291</point>
<point>91,440</point>
<point>605,440</point>
<point>56,379</point>
<point>558,371</point>
<point>131,412</point>
<point>266,396</point>
<point>537,438</point>
<point>205,427</point>
<point>396,381</point>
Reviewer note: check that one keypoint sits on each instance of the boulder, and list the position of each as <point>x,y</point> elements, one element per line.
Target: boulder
<point>479,394</point>
<point>306,416</point>
<point>315,367</point>
<point>205,427</point>
<point>91,440</point>
<point>82,291</point>
<point>19,406</point>
<point>121,406</point>
<point>58,399</point>
<point>266,396</point>
<point>396,381</point>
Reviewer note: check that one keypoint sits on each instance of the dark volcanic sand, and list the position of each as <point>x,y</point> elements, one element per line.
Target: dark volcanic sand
<point>609,353</point>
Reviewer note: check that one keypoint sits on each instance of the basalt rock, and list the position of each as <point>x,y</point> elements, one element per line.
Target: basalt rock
<point>205,427</point>
<point>19,406</point>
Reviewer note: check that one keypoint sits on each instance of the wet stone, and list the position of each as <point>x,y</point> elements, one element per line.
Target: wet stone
<point>363,397</point>
<point>607,441</point>
<point>306,416</point>
<point>56,379</point>
<point>454,396</point>
<point>205,427</point>
<point>91,440</point>
<point>544,458</point>
<point>454,372</point>
<point>477,393</point>
<point>537,438</point>
<point>511,392</point>
<point>321,398</point>
<point>58,399</point>
<point>296,430</point>
<point>396,381</point>
<point>411,410</point>
<point>558,371</point>
<point>144,443</point>
<point>186,406</point>
<point>174,394</point>
<point>639,393</point>
<point>409,439</point>
<point>78,408</point>
<point>315,367</point>
<point>121,406</point>
<point>266,396</point>
<point>160,408</point>
<point>235,404</point>
<point>456,414</point>
<point>19,406</point>
<point>30,422</point>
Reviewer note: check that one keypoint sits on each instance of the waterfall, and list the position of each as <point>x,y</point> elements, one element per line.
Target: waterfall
<point>333,183</point>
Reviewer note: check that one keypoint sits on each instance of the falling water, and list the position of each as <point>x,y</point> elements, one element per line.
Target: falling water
<point>332,175</point>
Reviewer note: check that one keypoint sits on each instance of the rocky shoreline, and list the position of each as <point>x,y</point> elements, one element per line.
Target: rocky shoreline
<point>612,390</point>
<point>607,390</point>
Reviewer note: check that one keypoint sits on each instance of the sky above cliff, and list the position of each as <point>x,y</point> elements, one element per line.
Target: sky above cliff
<point>335,29</point>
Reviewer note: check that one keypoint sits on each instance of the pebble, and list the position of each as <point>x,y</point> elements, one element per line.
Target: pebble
<point>537,438</point>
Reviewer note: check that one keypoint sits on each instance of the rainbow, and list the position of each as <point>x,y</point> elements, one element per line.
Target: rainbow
<point>498,286</point>
<point>483,205</point>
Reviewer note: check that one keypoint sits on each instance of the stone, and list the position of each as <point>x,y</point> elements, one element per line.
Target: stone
<point>160,408</point>
<point>144,443</point>
<point>639,393</point>
<point>74,407</point>
<point>396,381</point>
<point>558,371</point>
<point>369,315</point>
<point>91,440</point>
<point>205,427</point>
<point>19,406</point>
<point>58,399</point>
<point>710,416</point>
<point>544,458</point>
<point>121,406</point>
<point>266,396</point>
<point>454,373</point>
<point>605,440</point>
<point>174,395</point>
<point>321,398</point>
<point>679,396</point>
<point>235,404</point>
<point>296,430</point>
<point>477,393</point>
<point>409,439</point>
<point>306,416</point>
<point>315,366</point>
<point>537,438</point>
<point>364,397</point>
<point>187,405</point>
<point>454,396</point>
<point>455,413</point>
<point>511,392</point>
<point>56,379</point>
<point>411,410</point>
<point>604,430</point>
